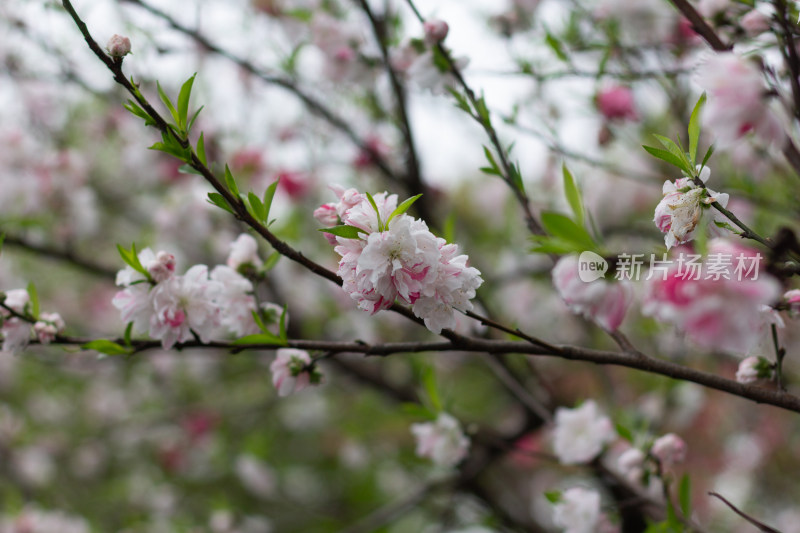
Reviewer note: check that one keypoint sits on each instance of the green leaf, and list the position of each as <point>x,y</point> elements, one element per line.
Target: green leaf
<point>282,323</point>
<point>669,157</point>
<point>553,496</point>
<point>402,208</point>
<point>271,261</point>
<point>230,182</point>
<point>545,244</point>
<point>707,156</point>
<point>694,127</point>
<point>516,177</point>
<point>491,160</point>
<point>624,432</point>
<point>449,230</point>
<point>269,194</point>
<point>168,103</point>
<point>194,117</point>
<point>429,383</point>
<point>260,338</point>
<point>183,101</point>
<point>377,212</point>
<point>188,169</point>
<point>685,495</point>
<point>347,232</point>
<point>107,347</point>
<point>201,150</point>
<point>34,295</point>
<point>573,195</point>
<point>257,208</point>
<point>2,239</point>
<point>128,331</point>
<point>565,228</point>
<point>461,101</point>
<point>215,198</point>
<point>554,44</point>
<point>417,411</point>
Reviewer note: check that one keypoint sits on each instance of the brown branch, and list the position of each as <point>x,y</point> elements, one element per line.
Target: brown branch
<point>760,525</point>
<point>700,25</point>
<point>789,402</point>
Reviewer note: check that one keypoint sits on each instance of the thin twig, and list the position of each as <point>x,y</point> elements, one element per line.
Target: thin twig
<point>760,525</point>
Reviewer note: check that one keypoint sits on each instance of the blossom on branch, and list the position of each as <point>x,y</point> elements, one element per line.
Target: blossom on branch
<point>581,433</point>
<point>397,258</point>
<point>442,441</point>
<point>293,370</point>
<point>678,215</point>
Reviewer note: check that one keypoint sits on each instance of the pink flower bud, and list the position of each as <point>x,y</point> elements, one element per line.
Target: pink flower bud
<point>616,103</point>
<point>162,267</point>
<point>754,23</point>
<point>118,46</point>
<point>669,449</point>
<point>753,368</point>
<point>48,326</point>
<point>435,31</point>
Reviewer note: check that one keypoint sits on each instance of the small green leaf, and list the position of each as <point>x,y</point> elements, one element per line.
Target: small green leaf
<point>230,182</point>
<point>194,117</point>
<point>282,323</point>
<point>573,195</point>
<point>449,231</point>
<point>429,383</point>
<point>417,411</point>
<point>260,338</point>
<point>565,228</point>
<point>553,496</point>
<point>402,208</point>
<point>555,45</point>
<point>624,432</point>
<point>271,261</point>
<point>215,198</point>
<point>377,212</point>
<point>685,495</point>
<point>545,244</point>
<point>128,331</point>
<point>201,150</point>
<point>168,103</point>
<point>694,127</point>
<point>516,177</point>
<point>188,169</point>
<point>707,156</point>
<point>347,232</point>
<point>491,160</point>
<point>107,347</point>
<point>669,157</point>
<point>269,194</point>
<point>34,296</point>
<point>183,101</point>
<point>257,208</point>
<point>2,240</point>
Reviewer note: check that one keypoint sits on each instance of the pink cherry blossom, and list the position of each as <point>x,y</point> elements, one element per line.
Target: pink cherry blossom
<point>577,511</point>
<point>435,31</point>
<point>669,449</point>
<point>442,441</point>
<point>679,213</point>
<point>726,310</point>
<point>581,433</point>
<point>603,302</point>
<point>118,46</point>
<point>737,100</point>
<point>616,103</point>
<point>48,326</point>
<point>292,371</point>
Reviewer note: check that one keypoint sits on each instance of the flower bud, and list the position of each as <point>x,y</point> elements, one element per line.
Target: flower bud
<point>118,46</point>
<point>753,368</point>
<point>670,449</point>
<point>435,31</point>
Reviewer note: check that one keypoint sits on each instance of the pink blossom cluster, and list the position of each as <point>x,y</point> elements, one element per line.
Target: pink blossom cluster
<point>737,103</point>
<point>727,309</point>
<point>175,308</point>
<point>401,260</point>
<point>580,434</point>
<point>16,331</point>
<point>601,301</point>
<point>293,370</point>
<point>679,213</point>
<point>442,441</point>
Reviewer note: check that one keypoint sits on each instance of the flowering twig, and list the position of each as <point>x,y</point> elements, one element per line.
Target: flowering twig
<point>313,104</point>
<point>486,124</point>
